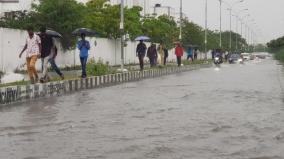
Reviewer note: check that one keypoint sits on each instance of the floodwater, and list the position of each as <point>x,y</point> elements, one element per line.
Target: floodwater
<point>231,112</point>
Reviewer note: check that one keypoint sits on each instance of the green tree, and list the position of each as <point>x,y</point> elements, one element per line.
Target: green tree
<point>63,16</point>
<point>192,34</point>
<point>105,19</point>
<point>162,29</point>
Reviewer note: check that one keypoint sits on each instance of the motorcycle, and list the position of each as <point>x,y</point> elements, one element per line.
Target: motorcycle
<point>217,60</point>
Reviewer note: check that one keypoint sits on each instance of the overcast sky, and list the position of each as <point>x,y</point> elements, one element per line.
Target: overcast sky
<point>268,14</point>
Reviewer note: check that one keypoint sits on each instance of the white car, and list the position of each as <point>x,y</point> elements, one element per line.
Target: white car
<point>246,56</point>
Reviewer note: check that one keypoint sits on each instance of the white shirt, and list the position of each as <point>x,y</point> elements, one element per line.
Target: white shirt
<point>33,45</point>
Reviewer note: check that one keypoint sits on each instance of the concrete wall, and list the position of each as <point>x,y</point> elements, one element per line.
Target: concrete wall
<point>12,41</point>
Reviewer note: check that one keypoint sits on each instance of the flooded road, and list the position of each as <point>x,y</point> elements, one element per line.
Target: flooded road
<point>232,112</point>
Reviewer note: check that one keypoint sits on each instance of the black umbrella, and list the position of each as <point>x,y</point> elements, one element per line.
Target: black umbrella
<point>53,34</point>
<point>86,31</point>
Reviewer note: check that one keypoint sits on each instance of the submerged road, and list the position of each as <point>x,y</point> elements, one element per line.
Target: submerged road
<point>232,112</point>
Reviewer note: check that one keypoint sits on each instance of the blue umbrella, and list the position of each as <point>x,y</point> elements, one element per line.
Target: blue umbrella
<point>143,38</point>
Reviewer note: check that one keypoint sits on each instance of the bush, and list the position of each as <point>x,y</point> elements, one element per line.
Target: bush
<point>279,56</point>
<point>97,68</point>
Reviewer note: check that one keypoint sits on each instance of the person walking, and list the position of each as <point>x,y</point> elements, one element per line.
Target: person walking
<point>213,52</point>
<point>84,46</point>
<point>152,55</point>
<point>140,53</point>
<point>166,51</point>
<point>189,54</point>
<point>52,62</point>
<point>179,53</point>
<point>161,53</point>
<point>195,53</point>
<point>46,45</point>
<point>33,52</point>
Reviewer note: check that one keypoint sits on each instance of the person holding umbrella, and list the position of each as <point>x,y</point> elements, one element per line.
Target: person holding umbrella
<point>140,53</point>
<point>84,46</point>
<point>48,54</point>
<point>46,45</point>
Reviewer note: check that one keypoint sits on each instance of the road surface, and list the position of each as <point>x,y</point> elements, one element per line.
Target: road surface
<point>232,112</point>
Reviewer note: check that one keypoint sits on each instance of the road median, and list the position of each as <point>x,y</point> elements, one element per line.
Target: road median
<point>28,92</point>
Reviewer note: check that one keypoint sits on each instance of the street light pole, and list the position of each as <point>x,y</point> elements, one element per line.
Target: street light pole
<point>237,29</point>
<point>122,33</point>
<point>205,39</point>
<point>220,42</point>
<point>180,27</point>
<point>230,9</point>
<point>230,29</point>
<point>237,26</point>
<point>2,32</point>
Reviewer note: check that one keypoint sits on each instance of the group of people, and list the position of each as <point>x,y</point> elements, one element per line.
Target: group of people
<point>152,52</point>
<point>42,46</point>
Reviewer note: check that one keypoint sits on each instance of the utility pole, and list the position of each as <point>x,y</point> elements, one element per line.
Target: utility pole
<point>180,27</point>
<point>237,29</point>
<point>205,38</point>
<point>122,33</point>
<point>220,43</point>
<point>230,29</point>
<point>2,50</point>
<point>145,5</point>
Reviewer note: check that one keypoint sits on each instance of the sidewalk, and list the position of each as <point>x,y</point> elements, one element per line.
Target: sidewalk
<point>22,92</point>
<point>74,74</point>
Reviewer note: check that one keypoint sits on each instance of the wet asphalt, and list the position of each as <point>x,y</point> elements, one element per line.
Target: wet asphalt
<point>231,112</point>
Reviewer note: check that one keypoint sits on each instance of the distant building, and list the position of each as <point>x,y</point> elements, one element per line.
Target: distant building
<point>159,10</point>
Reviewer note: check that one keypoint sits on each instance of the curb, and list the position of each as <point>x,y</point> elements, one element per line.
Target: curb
<point>25,93</point>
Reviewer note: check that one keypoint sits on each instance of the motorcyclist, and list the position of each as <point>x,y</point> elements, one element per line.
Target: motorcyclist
<point>218,53</point>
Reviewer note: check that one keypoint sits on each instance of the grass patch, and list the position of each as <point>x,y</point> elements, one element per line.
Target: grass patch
<point>196,62</point>
<point>17,83</point>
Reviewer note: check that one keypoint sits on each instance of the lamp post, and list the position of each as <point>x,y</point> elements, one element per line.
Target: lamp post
<point>205,31</point>
<point>220,42</point>
<point>242,24</point>
<point>180,16</point>
<point>237,26</point>
<point>122,34</point>
<point>230,10</point>
<point>249,33</point>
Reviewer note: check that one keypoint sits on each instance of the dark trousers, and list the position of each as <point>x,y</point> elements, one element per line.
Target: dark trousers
<point>179,60</point>
<point>165,60</point>
<point>141,61</point>
<point>152,61</point>
<point>189,57</point>
<point>195,56</point>
<point>55,67</point>
<point>84,65</point>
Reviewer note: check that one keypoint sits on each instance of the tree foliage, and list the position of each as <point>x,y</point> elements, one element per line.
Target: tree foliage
<point>65,16</point>
<point>276,43</point>
<point>161,30</point>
